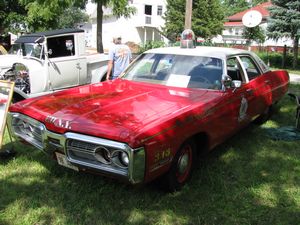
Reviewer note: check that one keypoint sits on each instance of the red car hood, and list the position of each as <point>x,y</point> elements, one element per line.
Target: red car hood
<point>117,110</point>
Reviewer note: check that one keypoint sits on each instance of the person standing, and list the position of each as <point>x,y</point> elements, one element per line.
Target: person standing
<point>119,58</point>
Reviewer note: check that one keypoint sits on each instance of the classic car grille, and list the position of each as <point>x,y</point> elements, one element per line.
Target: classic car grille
<point>95,154</point>
<point>79,149</point>
<point>28,129</point>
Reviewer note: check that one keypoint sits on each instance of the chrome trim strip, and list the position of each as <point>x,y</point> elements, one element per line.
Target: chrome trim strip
<point>136,170</point>
<point>96,140</point>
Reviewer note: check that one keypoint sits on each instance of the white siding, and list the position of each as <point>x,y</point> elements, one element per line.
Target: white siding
<point>134,29</point>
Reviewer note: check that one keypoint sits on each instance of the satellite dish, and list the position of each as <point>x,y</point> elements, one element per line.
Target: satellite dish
<point>252,18</point>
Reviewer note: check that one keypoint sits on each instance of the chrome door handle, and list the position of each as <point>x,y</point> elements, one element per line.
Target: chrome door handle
<point>249,91</point>
<point>78,66</point>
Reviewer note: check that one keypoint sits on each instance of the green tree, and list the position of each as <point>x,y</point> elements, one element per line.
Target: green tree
<point>285,22</point>
<point>49,14</point>
<point>254,34</point>
<point>232,7</point>
<point>256,2</point>
<point>71,17</point>
<point>53,14</point>
<point>174,19</point>
<point>207,18</point>
<point>12,16</point>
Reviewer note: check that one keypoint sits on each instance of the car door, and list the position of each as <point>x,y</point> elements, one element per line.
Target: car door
<point>258,86</point>
<point>240,98</point>
<point>64,65</point>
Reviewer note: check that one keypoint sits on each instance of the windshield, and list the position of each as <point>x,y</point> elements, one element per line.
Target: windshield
<point>177,71</point>
<point>27,49</point>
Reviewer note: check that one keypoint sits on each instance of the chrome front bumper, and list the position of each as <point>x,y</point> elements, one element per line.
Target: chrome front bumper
<point>83,151</point>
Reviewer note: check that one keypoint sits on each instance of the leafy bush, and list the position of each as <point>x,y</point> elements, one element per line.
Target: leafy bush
<point>205,43</point>
<point>274,59</point>
<point>150,45</point>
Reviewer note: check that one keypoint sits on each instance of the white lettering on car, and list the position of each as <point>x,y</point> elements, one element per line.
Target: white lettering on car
<point>58,122</point>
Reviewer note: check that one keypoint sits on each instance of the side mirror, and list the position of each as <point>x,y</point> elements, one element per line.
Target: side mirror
<point>227,82</point>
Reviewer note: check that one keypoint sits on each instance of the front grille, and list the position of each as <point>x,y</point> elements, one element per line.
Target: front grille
<point>81,150</point>
<point>28,129</point>
<point>97,155</point>
<point>103,155</point>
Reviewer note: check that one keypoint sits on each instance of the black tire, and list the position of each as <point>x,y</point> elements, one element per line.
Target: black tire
<point>181,168</point>
<point>264,116</point>
<point>103,78</point>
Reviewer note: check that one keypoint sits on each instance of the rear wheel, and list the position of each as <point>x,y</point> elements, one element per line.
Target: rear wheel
<point>181,167</point>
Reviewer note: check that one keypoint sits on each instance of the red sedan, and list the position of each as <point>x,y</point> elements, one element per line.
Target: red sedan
<point>169,107</point>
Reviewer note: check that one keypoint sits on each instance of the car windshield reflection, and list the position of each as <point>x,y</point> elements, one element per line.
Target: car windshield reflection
<point>177,71</point>
<point>26,49</point>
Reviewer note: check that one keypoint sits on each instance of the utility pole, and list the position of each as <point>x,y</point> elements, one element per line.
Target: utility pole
<point>188,14</point>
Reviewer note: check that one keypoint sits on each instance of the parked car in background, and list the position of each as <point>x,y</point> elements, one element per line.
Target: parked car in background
<point>45,62</point>
<point>171,106</point>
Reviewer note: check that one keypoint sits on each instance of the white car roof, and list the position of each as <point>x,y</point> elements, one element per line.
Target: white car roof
<point>216,52</point>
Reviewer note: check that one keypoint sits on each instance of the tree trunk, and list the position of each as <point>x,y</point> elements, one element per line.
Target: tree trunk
<point>295,49</point>
<point>283,57</point>
<point>99,27</point>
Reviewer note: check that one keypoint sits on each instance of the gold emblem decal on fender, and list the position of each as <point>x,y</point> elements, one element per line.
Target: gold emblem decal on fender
<point>162,155</point>
<point>161,158</point>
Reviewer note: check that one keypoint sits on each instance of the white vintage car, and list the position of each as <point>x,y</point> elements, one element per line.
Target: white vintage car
<point>44,62</point>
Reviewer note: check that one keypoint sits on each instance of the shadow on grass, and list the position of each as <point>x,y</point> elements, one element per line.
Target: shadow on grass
<point>249,179</point>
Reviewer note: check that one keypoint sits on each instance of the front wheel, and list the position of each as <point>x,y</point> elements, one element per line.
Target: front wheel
<point>264,116</point>
<point>181,167</point>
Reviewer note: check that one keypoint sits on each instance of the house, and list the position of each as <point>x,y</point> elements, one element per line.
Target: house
<point>233,28</point>
<point>145,25</point>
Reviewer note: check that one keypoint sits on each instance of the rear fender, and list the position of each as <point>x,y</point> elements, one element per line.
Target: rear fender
<point>98,74</point>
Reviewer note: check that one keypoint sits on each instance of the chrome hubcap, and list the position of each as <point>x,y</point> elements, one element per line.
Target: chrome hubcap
<point>183,163</point>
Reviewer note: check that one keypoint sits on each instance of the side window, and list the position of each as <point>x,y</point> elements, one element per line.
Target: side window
<point>250,67</point>
<point>234,69</point>
<point>261,63</point>
<point>61,46</point>
<point>159,10</point>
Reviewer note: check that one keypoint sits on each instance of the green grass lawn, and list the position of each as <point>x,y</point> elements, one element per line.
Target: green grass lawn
<point>250,179</point>
<point>294,71</point>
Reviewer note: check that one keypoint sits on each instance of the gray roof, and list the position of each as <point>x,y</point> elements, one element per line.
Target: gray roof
<point>39,37</point>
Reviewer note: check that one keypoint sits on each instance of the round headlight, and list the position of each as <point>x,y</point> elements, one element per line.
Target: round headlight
<point>102,155</point>
<point>124,158</point>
